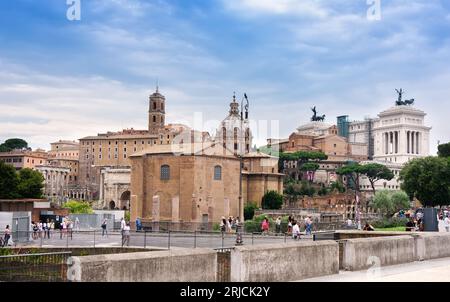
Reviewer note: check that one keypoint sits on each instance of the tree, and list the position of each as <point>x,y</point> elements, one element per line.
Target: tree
<point>30,184</point>
<point>427,179</point>
<point>353,172</point>
<point>249,210</point>
<point>78,207</point>
<point>302,157</point>
<point>9,181</point>
<point>444,150</point>
<point>272,200</point>
<point>389,202</point>
<point>13,143</point>
<point>375,172</point>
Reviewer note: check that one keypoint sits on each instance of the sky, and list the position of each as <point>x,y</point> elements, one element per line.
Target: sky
<point>67,79</point>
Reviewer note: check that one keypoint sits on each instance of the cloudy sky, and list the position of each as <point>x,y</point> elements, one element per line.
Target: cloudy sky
<point>62,79</point>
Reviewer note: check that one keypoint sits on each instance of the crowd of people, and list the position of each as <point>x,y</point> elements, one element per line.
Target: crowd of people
<point>230,225</point>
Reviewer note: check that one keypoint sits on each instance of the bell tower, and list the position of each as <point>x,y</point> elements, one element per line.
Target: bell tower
<point>156,112</point>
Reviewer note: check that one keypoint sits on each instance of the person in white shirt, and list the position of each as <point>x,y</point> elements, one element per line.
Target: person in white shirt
<point>295,231</point>
<point>447,224</point>
<point>123,224</point>
<point>126,235</point>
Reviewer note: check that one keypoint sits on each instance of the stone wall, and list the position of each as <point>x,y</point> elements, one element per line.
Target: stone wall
<point>284,262</point>
<point>184,265</point>
<point>432,245</point>
<point>359,254</point>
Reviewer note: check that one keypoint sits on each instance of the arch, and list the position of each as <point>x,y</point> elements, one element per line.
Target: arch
<point>125,200</point>
<point>112,205</point>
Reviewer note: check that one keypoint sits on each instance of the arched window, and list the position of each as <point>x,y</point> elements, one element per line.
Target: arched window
<point>165,172</point>
<point>154,119</point>
<point>217,173</point>
<point>154,105</point>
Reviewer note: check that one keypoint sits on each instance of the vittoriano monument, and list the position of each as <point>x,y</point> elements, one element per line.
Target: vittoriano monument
<point>315,117</point>
<point>400,96</point>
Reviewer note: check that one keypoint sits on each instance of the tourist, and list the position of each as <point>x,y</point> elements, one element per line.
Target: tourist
<point>447,224</point>
<point>77,224</point>
<point>368,227</point>
<point>40,229</point>
<point>64,227</point>
<point>7,235</point>
<point>289,230</point>
<point>126,235</point>
<point>229,224</point>
<point>35,230</point>
<point>223,224</point>
<point>138,224</point>
<point>410,225</point>
<point>265,226</point>
<point>122,225</point>
<point>104,227</point>
<point>237,222</point>
<point>70,229</point>
<point>278,225</point>
<point>44,229</point>
<point>349,223</point>
<point>308,225</point>
<point>295,230</point>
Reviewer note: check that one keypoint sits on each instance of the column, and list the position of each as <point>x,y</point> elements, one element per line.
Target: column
<point>391,142</point>
<point>407,142</point>
<point>412,142</point>
<point>386,143</point>
<point>417,142</point>
<point>396,142</point>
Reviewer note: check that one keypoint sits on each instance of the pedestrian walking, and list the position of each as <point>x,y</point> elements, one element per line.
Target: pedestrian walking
<point>77,225</point>
<point>7,236</point>
<point>295,230</point>
<point>105,227</point>
<point>126,235</point>
<point>122,225</point>
<point>278,225</point>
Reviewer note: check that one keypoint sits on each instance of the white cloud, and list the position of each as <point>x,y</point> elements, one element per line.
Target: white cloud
<point>312,8</point>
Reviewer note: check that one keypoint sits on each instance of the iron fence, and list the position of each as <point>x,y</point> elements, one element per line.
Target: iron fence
<point>148,239</point>
<point>43,267</point>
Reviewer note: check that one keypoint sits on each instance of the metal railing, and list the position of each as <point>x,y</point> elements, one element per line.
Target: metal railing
<point>43,267</point>
<point>148,239</point>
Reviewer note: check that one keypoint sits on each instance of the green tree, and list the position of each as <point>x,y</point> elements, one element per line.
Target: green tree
<point>272,200</point>
<point>376,172</point>
<point>302,158</point>
<point>353,172</point>
<point>249,210</point>
<point>13,143</point>
<point>30,184</point>
<point>9,181</point>
<point>78,207</point>
<point>389,202</point>
<point>444,150</point>
<point>427,179</point>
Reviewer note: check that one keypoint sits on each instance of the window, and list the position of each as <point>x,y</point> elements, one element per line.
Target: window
<point>165,172</point>
<point>154,119</point>
<point>124,156</point>
<point>217,173</point>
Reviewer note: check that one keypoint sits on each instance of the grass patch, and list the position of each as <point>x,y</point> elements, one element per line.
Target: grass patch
<point>394,229</point>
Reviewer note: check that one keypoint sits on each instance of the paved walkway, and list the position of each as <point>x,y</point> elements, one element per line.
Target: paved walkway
<point>437,270</point>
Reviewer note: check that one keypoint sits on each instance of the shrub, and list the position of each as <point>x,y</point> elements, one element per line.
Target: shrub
<point>249,210</point>
<point>390,222</point>
<point>216,227</point>
<point>78,207</point>
<point>272,200</point>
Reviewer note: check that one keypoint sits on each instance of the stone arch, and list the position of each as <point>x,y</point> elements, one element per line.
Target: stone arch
<point>112,205</point>
<point>125,200</point>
